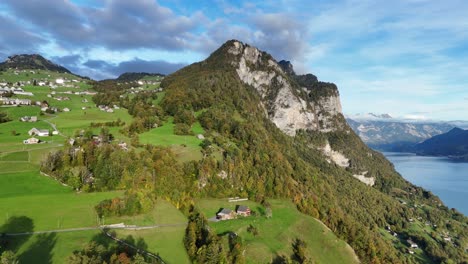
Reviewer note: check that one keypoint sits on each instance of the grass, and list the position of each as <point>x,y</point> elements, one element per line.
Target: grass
<point>27,184</point>
<point>56,247</point>
<point>186,147</point>
<point>15,156</point>
<point>276,234</point>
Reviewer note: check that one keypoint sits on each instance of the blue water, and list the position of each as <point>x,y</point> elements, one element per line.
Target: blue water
<point>443,177</point>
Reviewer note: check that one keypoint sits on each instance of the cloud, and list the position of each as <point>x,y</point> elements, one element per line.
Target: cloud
<point>73,59</point>
<point>138,65</point>
<point>99,69</point>
<point>15,37</point>
<point>117,24</point>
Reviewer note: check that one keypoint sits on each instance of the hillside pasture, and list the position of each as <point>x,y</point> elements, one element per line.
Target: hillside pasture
<point>277,234</point>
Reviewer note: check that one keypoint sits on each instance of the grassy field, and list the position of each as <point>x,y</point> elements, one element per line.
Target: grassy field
<point>186,147</point>
<point>56,247</point>
<point>276,234</point>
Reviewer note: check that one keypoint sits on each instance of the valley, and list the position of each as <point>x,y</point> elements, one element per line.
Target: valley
<point>165,152</point>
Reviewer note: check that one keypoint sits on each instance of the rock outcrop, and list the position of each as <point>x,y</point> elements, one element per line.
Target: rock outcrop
<point>289,105</point>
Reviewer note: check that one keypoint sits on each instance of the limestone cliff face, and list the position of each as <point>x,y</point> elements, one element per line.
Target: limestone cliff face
<point>289,102</point>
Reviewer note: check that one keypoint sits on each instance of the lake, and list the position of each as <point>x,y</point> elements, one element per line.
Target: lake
<point>443,177</point>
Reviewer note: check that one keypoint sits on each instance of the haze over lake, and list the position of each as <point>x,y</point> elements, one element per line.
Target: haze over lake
<point>443,177</point>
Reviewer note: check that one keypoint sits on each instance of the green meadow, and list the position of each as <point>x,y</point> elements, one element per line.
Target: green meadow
<point>186,147</point>
<point>277,234</point>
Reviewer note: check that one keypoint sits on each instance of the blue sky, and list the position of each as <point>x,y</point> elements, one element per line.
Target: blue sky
<point>408,58</point>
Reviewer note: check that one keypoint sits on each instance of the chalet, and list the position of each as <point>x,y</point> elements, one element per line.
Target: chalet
<point>59,81</point>
<point>39,132</point>
<point>15,101</point>
<point>66,109</point>
<point>28,119</point>
<point>31,141</point>
<point>243,210</point>
<point>412,244</point>
<point>225,214</point>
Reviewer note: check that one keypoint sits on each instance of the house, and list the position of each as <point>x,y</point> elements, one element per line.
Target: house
<point>59,81</point>
<point>28,119</point>
<point>412,244</point>
<point>200,136</point>
<point>225,214</point>
<point>243,210</point>
<point>15,101</point>
<point>31,141</point>
<point>66,109</point>
<point>39,132</point>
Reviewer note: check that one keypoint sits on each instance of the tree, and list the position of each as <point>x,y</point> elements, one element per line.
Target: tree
<point>8,257</point>
<point>300,251</point>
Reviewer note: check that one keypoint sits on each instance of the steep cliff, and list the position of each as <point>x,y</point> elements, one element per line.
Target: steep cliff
<point>289,105</point>
<point>280,135</point>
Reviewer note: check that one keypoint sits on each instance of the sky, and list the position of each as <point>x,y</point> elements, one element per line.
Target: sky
<point>408,58</point>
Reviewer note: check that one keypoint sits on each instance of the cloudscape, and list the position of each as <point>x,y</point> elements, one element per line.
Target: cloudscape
<point>406,58</point>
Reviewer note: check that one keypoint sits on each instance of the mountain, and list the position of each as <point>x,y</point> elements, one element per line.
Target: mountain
<point>31,62</point>
<point>394,135</point>
<point>453,143</point>
<point>135,76</point>
<point>284,135</point>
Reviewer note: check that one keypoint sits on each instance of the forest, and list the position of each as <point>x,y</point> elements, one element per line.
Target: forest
<point>261,162</point>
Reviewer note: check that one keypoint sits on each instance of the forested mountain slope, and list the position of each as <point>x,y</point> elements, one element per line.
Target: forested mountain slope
<point>281,139</point>
<point>269,133</point>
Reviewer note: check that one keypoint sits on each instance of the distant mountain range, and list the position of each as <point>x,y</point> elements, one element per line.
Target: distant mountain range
<point>452,144</point>
<point>135,76</point>
<point>383,133</point>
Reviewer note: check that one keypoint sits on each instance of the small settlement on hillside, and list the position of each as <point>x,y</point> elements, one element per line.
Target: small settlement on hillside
<point>227,214</point>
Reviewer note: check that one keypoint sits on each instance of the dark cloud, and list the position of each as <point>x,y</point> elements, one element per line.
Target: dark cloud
<point>277,33</point>
<point>281,35</point>
<point>63,20</point>
<point>99,69</point>
<point>16,39</point>
<point>97,64</point>
<point>119,24</point>
<point>67,60</point>
<point>122,25</point>
<point>138,65</point>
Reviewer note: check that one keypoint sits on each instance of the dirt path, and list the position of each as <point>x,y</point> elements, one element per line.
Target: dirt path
<point>94,228</point>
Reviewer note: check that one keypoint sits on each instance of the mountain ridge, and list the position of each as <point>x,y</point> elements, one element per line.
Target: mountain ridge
<point>453,143</point>
<point>283,139</point>
<point>135,76</point>
<point>31,62</point>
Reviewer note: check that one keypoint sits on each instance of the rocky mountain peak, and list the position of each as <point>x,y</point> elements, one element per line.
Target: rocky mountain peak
<point>287,67</point>
<point>289,102</point>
